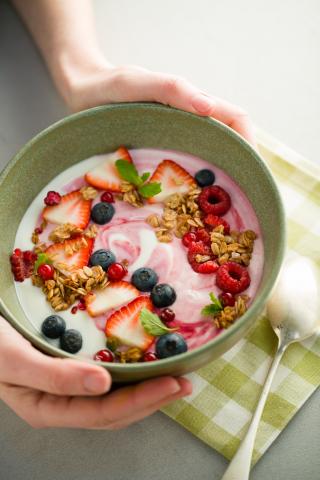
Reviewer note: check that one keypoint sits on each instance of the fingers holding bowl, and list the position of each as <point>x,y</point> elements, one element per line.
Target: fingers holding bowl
<point>22,365</point>
<point>108,412</point>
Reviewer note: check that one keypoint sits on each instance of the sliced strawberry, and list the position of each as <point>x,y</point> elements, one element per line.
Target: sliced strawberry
<point>80,248</point>
<point>173,179</point>
<point>105,175</point>
<point>113,296</point>
<point>73,208</point>
<point>125,325</point>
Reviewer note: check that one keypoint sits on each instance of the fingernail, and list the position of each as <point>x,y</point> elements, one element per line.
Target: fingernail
<point>94,383</point>
<point>203,104</point>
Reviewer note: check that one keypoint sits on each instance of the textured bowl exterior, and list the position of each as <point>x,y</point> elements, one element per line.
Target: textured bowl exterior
<point>139,125</point>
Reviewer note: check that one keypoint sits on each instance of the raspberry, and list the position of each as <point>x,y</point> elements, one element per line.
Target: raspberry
<point>74,310</point>
<point>116,272</point>
<point>45,271</point>
<point>206,267</point>
<point>232,277</point>
<point>202,236</point>
<point>29,256</point>
<point>199,248</point>
<point>38,230</point>
<point>227,299</point>
<point>215,200</point>
<point>214,221</point>
<point>17,267</point>
<point>107,197</point>
<point>188,238</point>
<point>81,306</point>
<point>149,357</point>
<point>22,264</point>
<point>52,198</point>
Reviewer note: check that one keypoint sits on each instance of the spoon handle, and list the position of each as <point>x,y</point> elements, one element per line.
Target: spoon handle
<point>239,468</point>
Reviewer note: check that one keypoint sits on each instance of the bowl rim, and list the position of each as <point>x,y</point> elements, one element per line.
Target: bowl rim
<point>255,307</point>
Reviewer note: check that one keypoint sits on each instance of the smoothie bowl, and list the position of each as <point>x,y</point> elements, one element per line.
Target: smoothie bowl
<point>138,236</point>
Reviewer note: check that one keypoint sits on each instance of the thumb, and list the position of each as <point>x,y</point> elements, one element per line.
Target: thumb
<point>21,364</point>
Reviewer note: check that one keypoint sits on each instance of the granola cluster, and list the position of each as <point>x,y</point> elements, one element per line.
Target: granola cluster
<point>131,195</point>
<point>181,212</point>
<point>63,232</point>
<point>228,315</point>
<point>89,193</point>
<point>236,247</point>
<point>66,287</point>
<point>68,230</point>
<point>133,354</point>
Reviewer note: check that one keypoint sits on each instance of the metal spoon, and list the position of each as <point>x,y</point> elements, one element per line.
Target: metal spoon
<point>293,311</point>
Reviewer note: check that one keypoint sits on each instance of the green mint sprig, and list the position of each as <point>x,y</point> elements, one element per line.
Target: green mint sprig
<point>152,323</point>
<point>213,308</point>
<point>129,173</point>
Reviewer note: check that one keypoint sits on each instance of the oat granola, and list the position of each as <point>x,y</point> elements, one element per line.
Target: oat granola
<point>228,315</point>
<point>66,287</point>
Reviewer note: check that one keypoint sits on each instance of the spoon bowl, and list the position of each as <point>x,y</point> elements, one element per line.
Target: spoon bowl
<point>293,308</point>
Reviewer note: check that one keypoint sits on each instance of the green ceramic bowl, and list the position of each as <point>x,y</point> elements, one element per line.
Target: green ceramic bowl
<point>103,129</point>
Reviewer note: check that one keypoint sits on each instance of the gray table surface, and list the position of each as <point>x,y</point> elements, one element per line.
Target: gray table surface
<point>262,55</point>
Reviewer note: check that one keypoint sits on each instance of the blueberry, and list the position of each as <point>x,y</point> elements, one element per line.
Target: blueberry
<point>102,213</point>
<point>163,295</point>
<point>53,326</point>
<point>205,177</point>
<point>170,344</point>
<point>144,279</point>
<point>71,341</point>
<point>102,257</point>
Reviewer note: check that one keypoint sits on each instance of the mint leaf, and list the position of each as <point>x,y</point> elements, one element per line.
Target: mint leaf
<point>149,189</point>
<point>152,323</point>
<point>128,172</point>
<point>42,258</point>
<point>213,308</point>
<point>210,310</point>
<point>145,176</point>
<point>215,300</point>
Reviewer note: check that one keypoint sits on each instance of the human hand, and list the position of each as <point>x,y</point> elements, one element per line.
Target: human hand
<point>55,392</point>
<point>85,88</point>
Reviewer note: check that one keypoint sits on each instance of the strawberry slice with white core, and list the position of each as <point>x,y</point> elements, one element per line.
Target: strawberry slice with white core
<point>113,296</point>
<point>173,179</point>
<point>105,175</point>
<point>125,325</point>
<point>74,253</point>
<point>73,208</point>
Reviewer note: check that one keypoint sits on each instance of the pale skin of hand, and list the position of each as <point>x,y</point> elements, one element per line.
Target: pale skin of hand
<point>51,392</point>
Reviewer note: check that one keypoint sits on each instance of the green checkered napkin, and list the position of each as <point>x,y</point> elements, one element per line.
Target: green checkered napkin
<point>226,391</point>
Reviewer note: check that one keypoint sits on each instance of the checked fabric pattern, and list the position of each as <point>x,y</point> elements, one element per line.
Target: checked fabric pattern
<point>226,391</point>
